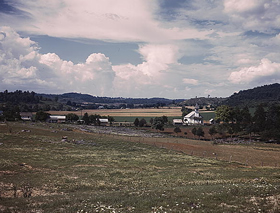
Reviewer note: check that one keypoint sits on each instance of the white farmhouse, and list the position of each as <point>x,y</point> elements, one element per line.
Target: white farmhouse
<point>193,117</point>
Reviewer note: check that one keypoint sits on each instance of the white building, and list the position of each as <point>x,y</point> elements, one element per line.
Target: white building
<point>193,117</point>
<point>104,121</point>
<point>57,119</point>
<point>177,122</point>
<point>26,116</point>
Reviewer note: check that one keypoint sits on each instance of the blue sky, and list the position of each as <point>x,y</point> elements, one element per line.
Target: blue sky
<point>139,48</point>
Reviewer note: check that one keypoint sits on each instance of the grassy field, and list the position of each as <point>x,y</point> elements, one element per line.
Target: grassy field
<point>129,115</point>
<point>103,173</point>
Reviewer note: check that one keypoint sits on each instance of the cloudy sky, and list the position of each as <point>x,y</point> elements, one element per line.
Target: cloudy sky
<point>139,48</point>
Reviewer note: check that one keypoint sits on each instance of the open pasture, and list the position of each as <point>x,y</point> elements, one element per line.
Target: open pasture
<point>152,112</point>
<point>91,172</point>
<point>129,115</point>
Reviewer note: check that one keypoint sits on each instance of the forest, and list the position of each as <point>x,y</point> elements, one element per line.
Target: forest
<point>265,95</point>
<point>262,124</point>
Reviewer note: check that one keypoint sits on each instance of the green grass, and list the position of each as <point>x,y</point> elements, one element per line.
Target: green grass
<point>112,175</point>
<point>206,117</point>
<point>132,118</point>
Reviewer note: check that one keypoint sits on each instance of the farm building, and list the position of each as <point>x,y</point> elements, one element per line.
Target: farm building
<point>57,119</point>
<point>177,122</point>
<point>26,116</point>
<point>193,117</point>
<point>103,121</point>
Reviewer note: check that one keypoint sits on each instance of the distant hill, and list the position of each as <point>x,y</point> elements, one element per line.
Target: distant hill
<point>85,98</point>
<point>203,101</point>
<point>266,95</point>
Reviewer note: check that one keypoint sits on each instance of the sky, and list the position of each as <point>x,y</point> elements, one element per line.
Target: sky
<point>175,49</point>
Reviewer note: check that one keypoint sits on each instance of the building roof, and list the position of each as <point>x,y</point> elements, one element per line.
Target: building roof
<point>104,120</point>
<point>57,117</point>
<point>193,114</point>
<point>177,121</point>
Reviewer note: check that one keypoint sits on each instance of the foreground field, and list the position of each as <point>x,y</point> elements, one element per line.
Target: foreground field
<point>91,172</point>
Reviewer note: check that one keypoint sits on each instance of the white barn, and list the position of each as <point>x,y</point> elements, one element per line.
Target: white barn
<point>193,117</point>
<point>57,119</point>
<point>104,121</point>
<point>177,122</point>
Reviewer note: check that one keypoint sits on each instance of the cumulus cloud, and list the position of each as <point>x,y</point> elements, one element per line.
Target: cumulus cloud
<point>255,15</point>
<point>139,79</point>
<point>22,65</point>
<point>126,20</point>
<point>191,53</point>
<point>266,70</point>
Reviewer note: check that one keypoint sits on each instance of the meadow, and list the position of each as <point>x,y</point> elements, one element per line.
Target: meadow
<point>60,168</point>
<point>129,115</point>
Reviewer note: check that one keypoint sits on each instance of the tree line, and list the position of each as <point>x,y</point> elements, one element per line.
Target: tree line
<point>263,123</point>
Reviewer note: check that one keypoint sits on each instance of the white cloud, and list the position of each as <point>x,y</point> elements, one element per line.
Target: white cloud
<point>239,6</point>
<point>124,20</point>
<point>160,75</point>
<point>255,15</point>
<point>190,81</point>
<point>139,79</point>
<point>266,70</point>
<point>21,65</point>
<point>191,53</point>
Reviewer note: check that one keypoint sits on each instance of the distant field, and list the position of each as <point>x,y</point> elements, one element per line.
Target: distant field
<point>129,115</point>
<point>127,112</point>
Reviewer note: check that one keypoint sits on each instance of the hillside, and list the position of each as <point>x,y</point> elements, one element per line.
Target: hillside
<point>266,95</point>
<point>203,101</point>
<point>85,98</point>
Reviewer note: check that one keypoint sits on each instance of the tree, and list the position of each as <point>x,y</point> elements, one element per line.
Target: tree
<point>72,117</point>
<point>224,113</point>
<point>177,130</point>
<point>159,122</point>
<point>94,119</point>
<point>185,111</point>
<point>273,117</point>
<point>246,117</point>
<point>159,126</point>
<point>194,130</point>
<point>200,132</point>
<point>212,131</point>
<point>41,116</point>
<point>151,121</point>
<point>136,122</point>
<point>259,119</point>
<point>142,122</point>
<point>230,130</point>
<point>236,115</point>
<point>164,119</point>
<point>111,119</point>
<point>222,128</point>
<point>86,118</point>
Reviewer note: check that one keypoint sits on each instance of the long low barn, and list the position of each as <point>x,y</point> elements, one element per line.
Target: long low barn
<point>57,119</point>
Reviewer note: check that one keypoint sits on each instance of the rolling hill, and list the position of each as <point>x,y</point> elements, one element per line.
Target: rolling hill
<point>266,95</point>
